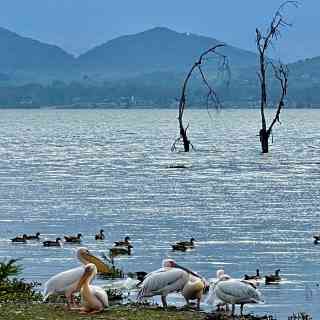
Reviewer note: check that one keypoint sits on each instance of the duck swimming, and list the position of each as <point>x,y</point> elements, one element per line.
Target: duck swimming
<point>34,237</point>
<point>115,251</point>
<point>316,239</point>
<point>183,245</point>
<point>188,244</point>
<point>178,247</point>
<point>50,243</point>
<point>22,239</point>
<point>126,242</point>
<point>273,278</point>
<point>73,239</point>
<point>255,277</point>
<point>100,235</point>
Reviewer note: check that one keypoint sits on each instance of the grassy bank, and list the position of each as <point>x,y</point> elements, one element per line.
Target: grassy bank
<point>57,312</point>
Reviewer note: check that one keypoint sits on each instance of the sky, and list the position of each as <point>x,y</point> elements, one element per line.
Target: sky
<point>78,25</point>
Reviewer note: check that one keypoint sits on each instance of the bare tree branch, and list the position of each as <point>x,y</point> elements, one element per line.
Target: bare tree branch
<point>263,42</point>
<point>211,95</point>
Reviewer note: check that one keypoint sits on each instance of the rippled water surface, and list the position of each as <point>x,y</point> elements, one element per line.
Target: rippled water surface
<point>64,172</point>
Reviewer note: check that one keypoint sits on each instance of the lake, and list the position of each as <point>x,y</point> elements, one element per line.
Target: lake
<point>69,171</point>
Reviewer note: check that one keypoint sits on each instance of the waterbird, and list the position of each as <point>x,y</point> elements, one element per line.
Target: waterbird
<point>254,277</point>
<point>125,243</point>
<point>67,282</point>
<point>233,291</point>
<point>34,237</point>
<point>170,278</point>
<point>273,278</point>
<point>316,239</point>
<point>93,298</point>
<point>50,243</point>
<point>100,235</point>
<point>125,250</point>
<point>22,239</point>
<point>188,244</point>
<point>183,245</point>
<point>73,239</point>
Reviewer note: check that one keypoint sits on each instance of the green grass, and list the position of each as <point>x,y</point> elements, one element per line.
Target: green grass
<point>58,312</point>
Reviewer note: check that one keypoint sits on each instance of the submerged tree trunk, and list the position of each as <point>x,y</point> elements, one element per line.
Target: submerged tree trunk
<point>281,73</point>
<point>264,139</point>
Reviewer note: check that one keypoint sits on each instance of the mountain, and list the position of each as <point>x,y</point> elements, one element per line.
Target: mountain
<point>23,56</point>
<point>156,50</point>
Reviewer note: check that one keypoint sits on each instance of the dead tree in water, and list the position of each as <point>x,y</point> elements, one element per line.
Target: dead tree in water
<point>281,72</point>
<point>211,95</point>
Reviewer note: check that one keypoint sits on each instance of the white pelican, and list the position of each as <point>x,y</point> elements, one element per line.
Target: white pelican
<point>93,298</point>
<point>193,290</point>
<point>170,278</point>
<point>66,282</point>
<point>235,291</point>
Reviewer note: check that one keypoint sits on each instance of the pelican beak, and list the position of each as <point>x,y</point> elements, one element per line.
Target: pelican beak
<point>187,270</point>
<point>101,266</point>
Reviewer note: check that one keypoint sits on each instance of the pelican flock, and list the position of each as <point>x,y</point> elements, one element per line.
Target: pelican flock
<point>170,278</point>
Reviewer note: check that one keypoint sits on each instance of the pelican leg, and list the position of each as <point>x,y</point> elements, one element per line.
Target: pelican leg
<point>241,309</point>
<point>164,302</point>
<point>198,304</point>
<point>233,309</point>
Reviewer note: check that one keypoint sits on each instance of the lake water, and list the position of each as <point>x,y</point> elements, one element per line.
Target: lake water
<point>69,171</point>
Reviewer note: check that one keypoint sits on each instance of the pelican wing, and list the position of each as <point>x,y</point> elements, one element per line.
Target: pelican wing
<point>163,281</point>
<point>101,295</point>
<point>236,292</point>
<point>62,281</point>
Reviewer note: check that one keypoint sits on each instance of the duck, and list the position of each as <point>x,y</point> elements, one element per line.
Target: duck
<point>100,235</point>
<point>34,237</point>
<point>22,239</point>
<point>125,243</point>
<point>188,244</point>
<point>273,278</point>
<point>316,239</point>
<point>254,277</point>
<point>115,251</point>
<point>178,247</point>
<point>50,243</point>
<point>183,245</point>
<point>73,239</point>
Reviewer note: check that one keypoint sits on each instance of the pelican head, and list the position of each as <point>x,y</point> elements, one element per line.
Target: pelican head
<point>168,263</point>
<point>90,271</point>
<point>86,257</point>
<point>221,276</point>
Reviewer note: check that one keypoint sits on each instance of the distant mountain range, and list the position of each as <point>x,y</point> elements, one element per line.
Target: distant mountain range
<point>146,64</point>
<point>155,50</point>
<point>158,49</point>
<point>27,56</point>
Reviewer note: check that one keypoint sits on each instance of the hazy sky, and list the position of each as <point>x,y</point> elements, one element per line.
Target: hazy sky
<point>77,25</point>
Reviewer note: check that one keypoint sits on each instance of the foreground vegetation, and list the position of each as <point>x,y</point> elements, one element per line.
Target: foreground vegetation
<point>119,312</point>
